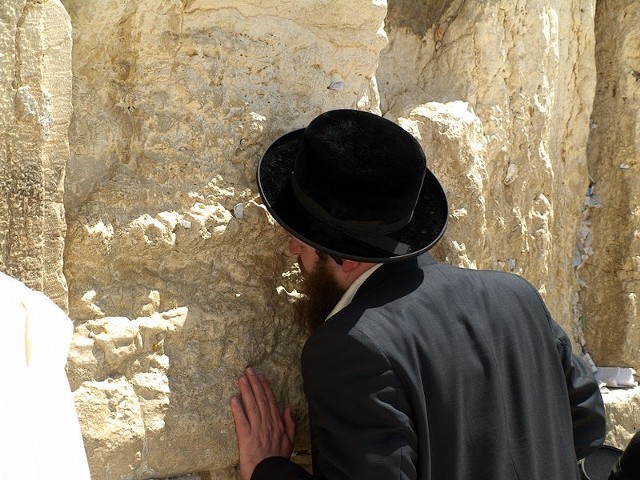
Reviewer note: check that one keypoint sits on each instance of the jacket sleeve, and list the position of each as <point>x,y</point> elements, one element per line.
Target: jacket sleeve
<point>279,468</point>
<point>587,407</point>
<point>358,410</point>
<point>359,415</point>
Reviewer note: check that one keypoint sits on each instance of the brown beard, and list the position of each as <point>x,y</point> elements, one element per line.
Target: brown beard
<point>321,294</point>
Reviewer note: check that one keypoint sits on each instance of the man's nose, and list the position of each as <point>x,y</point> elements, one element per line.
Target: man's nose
<point>294,246</point>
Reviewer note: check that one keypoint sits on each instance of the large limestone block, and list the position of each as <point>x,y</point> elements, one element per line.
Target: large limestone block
<point>35,111</point>
<point>199,80</point>
<point>612,272</point>
<point>623,415</point>
<point>174,102</point>
<point>526,71</point>
<point>454,131</point>
<point>117,446</point>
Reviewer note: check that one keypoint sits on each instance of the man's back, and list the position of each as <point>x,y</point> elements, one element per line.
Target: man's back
<point>436,372</point>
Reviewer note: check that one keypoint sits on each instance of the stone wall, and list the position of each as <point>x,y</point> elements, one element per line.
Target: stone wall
<point>612,271</point>
<point>35,106</point>
<point>513,156</point>
<point>178,278</point>
<point>173,267</point>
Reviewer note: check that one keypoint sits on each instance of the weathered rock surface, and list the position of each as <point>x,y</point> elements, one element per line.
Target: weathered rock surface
<point>35,107</point>
<point>623,415</point>
<point>612,272</point>
<point>177,276</point>
<point>174,103</point>
<point>513,162</point>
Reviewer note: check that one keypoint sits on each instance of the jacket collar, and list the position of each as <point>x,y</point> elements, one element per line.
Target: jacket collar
<point>394,269</point>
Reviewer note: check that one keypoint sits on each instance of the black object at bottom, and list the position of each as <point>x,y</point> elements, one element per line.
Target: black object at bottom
<point>599,464</point>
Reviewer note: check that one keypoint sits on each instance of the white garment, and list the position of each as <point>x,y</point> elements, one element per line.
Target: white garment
<point>348,295</point>
<point>39,430</point>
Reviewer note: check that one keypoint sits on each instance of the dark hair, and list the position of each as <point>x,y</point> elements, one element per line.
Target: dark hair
<point>324,256</point>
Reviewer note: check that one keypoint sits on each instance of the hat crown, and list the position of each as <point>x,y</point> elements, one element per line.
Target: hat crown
<point>355,185</point>
<point>359,172</point>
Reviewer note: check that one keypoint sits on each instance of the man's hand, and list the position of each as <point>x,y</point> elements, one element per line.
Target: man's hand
<point>262,431</point>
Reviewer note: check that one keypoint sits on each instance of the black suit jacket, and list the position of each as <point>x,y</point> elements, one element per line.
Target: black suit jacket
<point>435,372</point>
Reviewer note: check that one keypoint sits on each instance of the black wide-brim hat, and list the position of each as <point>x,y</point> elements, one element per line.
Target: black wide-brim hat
<point>354,185</point>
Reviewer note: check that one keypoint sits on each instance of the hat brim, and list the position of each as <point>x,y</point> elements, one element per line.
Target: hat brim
<point>419,235</point>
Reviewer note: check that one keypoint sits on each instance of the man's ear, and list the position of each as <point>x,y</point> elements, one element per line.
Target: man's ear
<point>349,271</point>
<point>349,266</point>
